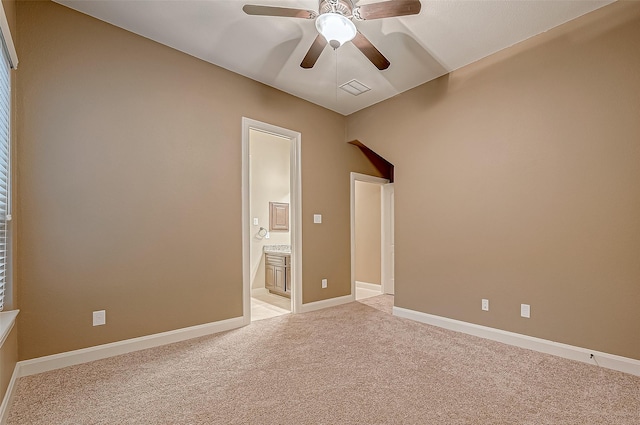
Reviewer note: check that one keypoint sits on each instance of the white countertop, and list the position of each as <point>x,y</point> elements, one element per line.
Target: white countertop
<point>277,249</point>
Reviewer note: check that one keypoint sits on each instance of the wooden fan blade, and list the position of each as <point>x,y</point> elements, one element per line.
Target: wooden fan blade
<point>314,52</point>
<point>252,9</point>
<point>387,9</point>
<point>369,50</point>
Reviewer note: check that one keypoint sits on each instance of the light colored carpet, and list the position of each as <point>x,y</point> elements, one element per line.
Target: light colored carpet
<point>353,364</point>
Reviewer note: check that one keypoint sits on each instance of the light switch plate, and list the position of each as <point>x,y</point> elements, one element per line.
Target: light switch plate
<point>525,310</point>
<point>99,317</point>
<point>317,218</point>
<point>324,283</point>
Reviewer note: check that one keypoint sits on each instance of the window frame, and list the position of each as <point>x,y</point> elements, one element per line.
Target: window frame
<point>9,62</point>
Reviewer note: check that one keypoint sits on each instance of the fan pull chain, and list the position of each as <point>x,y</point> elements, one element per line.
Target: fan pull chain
<point>336,55</point>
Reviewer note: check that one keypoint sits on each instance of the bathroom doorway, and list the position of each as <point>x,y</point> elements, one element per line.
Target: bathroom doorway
<point>271,228</point>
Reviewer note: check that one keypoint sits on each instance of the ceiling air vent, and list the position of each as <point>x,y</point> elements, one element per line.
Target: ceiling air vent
<point>354,87</point>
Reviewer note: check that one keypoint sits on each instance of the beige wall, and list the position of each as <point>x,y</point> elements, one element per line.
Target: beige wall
<point>129,162</point>
<point>269,181</point>
<point>517,180</point>
<point>368,232</point>
<point>9,7</point>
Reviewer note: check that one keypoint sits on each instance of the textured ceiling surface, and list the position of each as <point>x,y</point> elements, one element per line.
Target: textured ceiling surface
<point>446,35</point>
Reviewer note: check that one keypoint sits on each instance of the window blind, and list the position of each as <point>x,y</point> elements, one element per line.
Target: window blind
<point>5,170</point>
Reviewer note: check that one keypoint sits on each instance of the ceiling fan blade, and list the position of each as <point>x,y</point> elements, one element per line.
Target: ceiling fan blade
<point>252,9</point>
<point>387,9</point>
<point>369,50</point>
<point>314,52</point>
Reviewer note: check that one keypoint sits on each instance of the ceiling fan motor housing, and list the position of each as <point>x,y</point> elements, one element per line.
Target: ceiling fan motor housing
<point>343,7</point>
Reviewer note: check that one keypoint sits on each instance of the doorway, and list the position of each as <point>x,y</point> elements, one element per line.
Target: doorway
<point>371,236</point>
<point>271,213</point>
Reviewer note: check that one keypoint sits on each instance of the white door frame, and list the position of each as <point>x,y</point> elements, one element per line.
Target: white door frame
<point>296,214</point>
<point>369,179</point>
<point>386,262</point>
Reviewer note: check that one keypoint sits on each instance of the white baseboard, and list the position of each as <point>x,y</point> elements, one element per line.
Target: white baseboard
<point>331,302</point>
<point>259,291</point>
<point>367,285</point>
<point>598,358</point>
<point>8,396</point>
<point>70,358</point>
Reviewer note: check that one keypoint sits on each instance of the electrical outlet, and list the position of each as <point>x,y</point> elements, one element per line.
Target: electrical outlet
<point>324,283</point>
<point>525,310</point>
<point>485,305</point>
<point>255,221</point>
<point>317,218</point>
<point>99,317</point>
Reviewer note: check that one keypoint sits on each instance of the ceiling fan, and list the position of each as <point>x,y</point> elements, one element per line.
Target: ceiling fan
<point>334,22</point>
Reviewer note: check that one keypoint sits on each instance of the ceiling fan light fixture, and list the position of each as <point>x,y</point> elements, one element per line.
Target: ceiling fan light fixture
<point>337,29</point>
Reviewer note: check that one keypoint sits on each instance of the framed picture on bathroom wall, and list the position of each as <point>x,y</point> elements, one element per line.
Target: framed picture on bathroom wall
<point>278,216</point>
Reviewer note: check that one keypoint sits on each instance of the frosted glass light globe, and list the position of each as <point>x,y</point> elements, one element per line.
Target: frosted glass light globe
<point>335,28</point>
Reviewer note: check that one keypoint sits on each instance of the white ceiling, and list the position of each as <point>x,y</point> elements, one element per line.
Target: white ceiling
<point>446,35</point>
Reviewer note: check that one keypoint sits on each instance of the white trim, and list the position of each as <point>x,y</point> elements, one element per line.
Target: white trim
<point>7,320</point>
<point>246,246</point>
<point>259,291</point>
<point>8,40</point>
<point>367,285</point>
<point>70,358</point>
<point>386,240</point>
<point>296,213</point>
<point>295,168</point>
<point>598,358</point>
<point>368,179</point>
<point>331,302</point>
<point>8,396</point>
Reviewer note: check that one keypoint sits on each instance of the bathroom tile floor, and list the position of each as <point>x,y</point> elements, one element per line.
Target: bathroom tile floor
<point>265,306</point>
<point>362,293</point>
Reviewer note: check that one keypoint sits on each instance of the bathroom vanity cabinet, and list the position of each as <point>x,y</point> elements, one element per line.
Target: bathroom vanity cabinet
<point>277,269</point>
